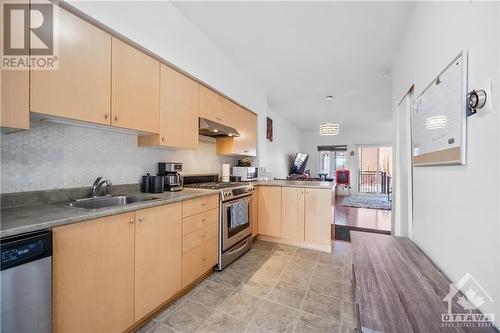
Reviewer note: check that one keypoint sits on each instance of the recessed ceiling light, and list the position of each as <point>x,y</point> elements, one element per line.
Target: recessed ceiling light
<point>329,97</point>
<point>215,131</point>
<point>384,74</point>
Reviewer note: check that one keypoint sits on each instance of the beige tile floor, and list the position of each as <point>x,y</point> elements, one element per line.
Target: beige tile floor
<point>272,288</point>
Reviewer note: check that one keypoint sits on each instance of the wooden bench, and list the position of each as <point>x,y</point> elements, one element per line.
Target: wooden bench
<point>398,289</point>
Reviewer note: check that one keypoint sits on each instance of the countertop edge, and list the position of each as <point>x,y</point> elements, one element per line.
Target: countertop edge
<point>86,215</point>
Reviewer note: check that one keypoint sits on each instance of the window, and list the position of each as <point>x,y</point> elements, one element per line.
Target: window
<point>374,169</point>
<point>331,160</point>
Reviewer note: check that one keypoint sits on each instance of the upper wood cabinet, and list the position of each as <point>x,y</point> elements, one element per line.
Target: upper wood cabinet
<point>179,110</point>
<point>80,88</point>
<point>135,89</point>
<point>213,106</point>
<point>318,216</point>
<point>245,123</point>
<point>14,113</point>
<point>269,211</point>
<point>292,211</point>
<point>158,235</point>
<point>93,275</point>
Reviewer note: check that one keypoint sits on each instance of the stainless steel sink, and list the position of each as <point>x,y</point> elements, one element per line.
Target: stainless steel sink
<point>103,202</point>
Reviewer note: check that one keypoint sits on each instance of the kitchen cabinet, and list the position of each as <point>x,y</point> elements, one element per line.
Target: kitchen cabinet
<point>80,88</point>
<point>111,272</point>
<point>318,216</point>
<point>200,229</point>
<point>135,89</point>
<point>199,205</point>
<point>293,213</point>
<point>93,275</point>
<point>179,110</point>
<point>269,211</point>
<point>213,106</point>
<point>14,113</point>
<point>245,123</point>
<point>255,213</point>
<point>157,256</point>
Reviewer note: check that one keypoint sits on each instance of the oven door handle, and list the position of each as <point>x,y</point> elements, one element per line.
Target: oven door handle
<point>229,204</point>
<point>243,244</point>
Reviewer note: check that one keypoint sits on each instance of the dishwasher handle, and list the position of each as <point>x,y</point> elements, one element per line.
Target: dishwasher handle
<point>22,249</point>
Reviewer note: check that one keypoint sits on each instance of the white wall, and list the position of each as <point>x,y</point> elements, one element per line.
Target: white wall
<point>161,28</point>
<point>286,143</point>
<point>456,215</point>
<point>352,137</point>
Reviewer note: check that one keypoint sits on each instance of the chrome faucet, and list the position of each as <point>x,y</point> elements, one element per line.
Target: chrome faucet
<point>96,187</point>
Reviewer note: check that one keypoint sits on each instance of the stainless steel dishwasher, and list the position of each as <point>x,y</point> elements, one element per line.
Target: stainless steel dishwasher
<point>26,283</point>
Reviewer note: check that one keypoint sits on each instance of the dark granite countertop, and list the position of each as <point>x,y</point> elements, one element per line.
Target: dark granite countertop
<point>296,183</point>
<point>18,220</point>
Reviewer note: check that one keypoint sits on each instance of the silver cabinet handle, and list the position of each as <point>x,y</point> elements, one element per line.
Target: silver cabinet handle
<point>131,221</point>
<point>141,219</point>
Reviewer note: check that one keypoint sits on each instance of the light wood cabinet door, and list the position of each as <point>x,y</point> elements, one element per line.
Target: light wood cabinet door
<point>93,275</point>
<point>199,205</point>
<point>318,216</point>
<point>158,235</point>
<point>14,113</point>
<point>293,214</point>
<point>135,89</point>
<point>255,213</point>
<point>245,123</point>
<point>213,106</point>
<point>198,260</point>
<point>179,111</point>
<point>270,211</point>
<point>80,88</point>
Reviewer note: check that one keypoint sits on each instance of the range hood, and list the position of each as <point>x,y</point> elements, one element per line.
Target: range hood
<point>214,129</point>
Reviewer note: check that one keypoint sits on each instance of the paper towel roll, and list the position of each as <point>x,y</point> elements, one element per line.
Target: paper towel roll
<point>226,172</point>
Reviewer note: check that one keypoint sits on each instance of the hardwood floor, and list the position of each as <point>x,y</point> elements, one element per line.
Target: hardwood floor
<point>360,219</point>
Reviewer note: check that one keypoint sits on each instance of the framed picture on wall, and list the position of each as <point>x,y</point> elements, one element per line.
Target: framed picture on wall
<point>269,130</point>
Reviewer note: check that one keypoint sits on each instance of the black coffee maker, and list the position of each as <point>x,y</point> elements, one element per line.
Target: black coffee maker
<point>172,173</point>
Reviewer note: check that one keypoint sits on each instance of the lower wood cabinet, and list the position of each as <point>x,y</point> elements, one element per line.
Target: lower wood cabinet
<point>269,211</point>
<point>157,256</point>
<point>111,272</point>
<point>93,275</point>
<point>292,211</point>
<point>254,214</point>
<point>200,229</point>
<point>318,216</point>
<point>198,261</point>
<point>296,215</point>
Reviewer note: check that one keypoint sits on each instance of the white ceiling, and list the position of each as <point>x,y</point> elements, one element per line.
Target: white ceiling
<point>304,51</point>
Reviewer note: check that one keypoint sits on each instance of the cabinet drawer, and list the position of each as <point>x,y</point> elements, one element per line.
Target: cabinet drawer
<point>198,221</point>
<point>197,261</point>
<point>199,236</point>
<point>200,205</point>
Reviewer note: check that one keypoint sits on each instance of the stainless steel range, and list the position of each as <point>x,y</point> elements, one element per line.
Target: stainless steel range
<point>235,220</point>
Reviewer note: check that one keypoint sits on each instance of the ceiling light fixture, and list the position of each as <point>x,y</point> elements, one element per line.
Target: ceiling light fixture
<point>329,129</point>
<point>329,97</point>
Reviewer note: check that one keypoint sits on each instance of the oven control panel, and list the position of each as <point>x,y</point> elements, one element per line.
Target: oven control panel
<point>237,192</point>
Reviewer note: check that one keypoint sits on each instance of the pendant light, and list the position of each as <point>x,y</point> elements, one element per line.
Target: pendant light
<point>328,128</point>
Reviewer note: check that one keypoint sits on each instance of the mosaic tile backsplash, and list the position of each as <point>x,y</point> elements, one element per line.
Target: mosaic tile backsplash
<point>53,155</point>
